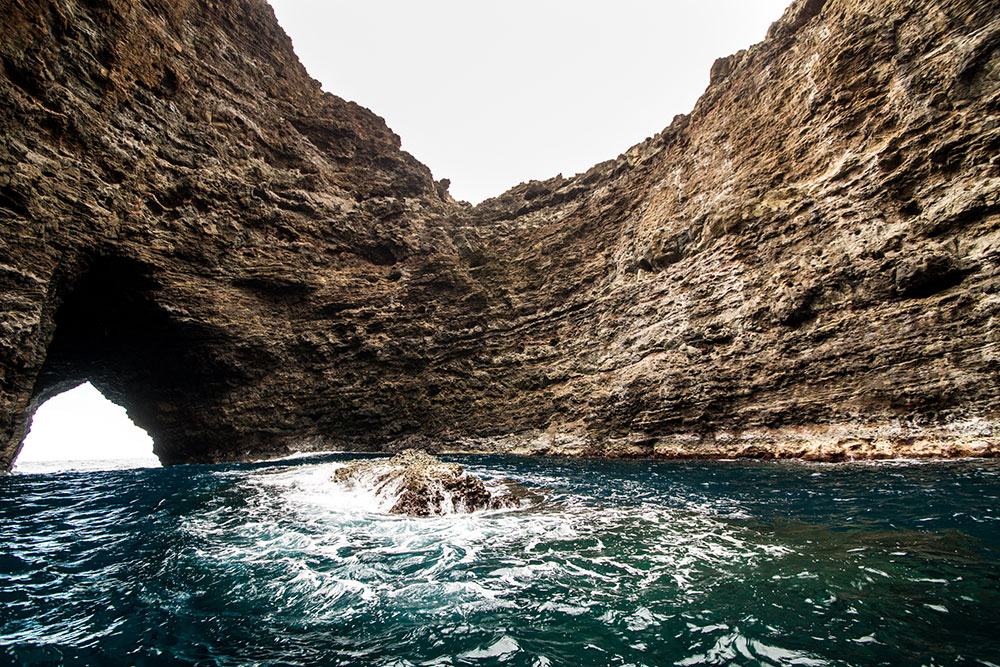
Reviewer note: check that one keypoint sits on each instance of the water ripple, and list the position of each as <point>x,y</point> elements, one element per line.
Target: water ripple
<point>621,563</point>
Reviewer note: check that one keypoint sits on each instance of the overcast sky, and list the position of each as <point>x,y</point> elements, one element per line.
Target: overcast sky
<point>81,424</point>
<point>490,94</point>
<point>487,94</point>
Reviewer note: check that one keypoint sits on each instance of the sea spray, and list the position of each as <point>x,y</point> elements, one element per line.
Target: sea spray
<point>415,483</point>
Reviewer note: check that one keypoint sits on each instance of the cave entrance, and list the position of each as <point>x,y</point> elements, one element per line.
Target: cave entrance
<point>80,428</point>
<point>111,335</point>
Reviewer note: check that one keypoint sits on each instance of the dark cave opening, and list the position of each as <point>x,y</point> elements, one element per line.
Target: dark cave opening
<point>110,330</point>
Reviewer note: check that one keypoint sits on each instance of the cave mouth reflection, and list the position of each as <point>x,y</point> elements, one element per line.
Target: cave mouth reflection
<point>81,429</point>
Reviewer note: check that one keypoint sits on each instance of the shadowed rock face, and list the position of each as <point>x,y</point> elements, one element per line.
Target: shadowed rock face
<point>806,265</point>
<point>415,483</point>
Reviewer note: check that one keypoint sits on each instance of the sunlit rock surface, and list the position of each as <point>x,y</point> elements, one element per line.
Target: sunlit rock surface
<point>805,265</point>
<point>415,483</point>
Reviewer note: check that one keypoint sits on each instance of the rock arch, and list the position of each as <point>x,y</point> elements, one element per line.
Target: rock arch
<point>83,424</point>
<point>109,327</point>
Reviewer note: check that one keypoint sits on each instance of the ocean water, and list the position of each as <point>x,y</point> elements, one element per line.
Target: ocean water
<point>617,563</point>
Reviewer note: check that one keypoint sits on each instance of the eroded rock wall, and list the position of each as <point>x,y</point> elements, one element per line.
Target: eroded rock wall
<point>805,265</point>
<point>192,224</point>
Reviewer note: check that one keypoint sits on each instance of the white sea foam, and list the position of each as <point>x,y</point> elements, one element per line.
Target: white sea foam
<point>333,548</point>
<point>605,565</point>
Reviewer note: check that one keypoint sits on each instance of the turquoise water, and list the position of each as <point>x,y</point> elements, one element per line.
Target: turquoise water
<point>622,563</point>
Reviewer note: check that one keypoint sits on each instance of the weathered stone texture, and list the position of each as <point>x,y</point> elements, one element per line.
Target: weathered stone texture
<point>806,265</point>
<point>417,484</point>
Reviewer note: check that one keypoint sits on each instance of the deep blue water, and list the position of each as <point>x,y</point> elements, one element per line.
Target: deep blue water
<point>623,563</point>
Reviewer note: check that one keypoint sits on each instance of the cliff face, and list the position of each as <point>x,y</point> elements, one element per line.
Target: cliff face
<point>805,265</point>
<point>192,224</point>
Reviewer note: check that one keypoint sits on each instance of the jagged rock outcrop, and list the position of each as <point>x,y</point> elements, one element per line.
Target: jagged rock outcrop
<point>417,484</point>
<point>805,265</point>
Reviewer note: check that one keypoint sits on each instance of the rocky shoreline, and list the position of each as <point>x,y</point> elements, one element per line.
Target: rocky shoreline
<point>844,444</point>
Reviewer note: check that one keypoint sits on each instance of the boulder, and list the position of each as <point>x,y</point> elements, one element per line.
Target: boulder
<point>417,484</point>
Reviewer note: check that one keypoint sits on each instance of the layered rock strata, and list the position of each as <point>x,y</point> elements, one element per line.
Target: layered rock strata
<point>415,483</point>
<point>805,265</point>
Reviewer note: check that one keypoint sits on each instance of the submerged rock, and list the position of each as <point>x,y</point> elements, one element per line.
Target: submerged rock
<point>418,484</point>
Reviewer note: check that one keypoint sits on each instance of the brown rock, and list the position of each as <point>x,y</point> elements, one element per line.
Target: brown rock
<point>417,484</point>
<point>252,266</point>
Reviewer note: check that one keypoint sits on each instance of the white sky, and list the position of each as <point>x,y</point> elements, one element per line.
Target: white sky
<point>81,424</point>
<point>490,94</point>
<point>487,94</point>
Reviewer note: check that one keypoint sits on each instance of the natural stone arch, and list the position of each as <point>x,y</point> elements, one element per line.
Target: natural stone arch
<point>81,424</point>
<point>109,326</point>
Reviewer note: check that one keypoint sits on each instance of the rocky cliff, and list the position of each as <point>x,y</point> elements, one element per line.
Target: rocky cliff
<point>806,265</point>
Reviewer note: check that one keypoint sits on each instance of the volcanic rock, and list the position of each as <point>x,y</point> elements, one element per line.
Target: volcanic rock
<point>807,264</point>
<point>417,484</point>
